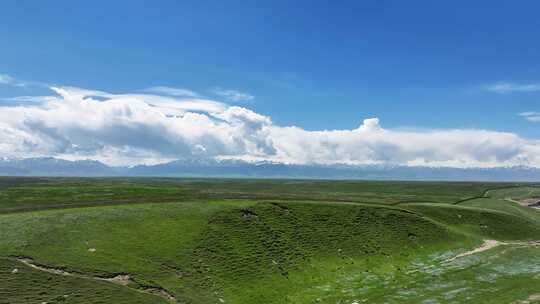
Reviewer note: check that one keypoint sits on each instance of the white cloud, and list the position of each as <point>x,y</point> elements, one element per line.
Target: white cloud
<point>8,80</point>
<point>371,144</point>
<point>171,91</point>
<point>531,116</point>
<point>233,95</point>
<point>508,87</point>
<point>128,129</point>
<point>5,79</point>
<point>27,99</point>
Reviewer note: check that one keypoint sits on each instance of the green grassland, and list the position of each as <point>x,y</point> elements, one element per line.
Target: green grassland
<point>265,241</point>
<point>19,194</point>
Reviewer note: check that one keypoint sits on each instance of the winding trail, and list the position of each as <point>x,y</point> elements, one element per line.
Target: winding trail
<point>119,279</point>
<point>490,244</point>
<point>487,245</point>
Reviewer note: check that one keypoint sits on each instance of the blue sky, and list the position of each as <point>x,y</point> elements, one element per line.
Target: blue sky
<point>313,64</point>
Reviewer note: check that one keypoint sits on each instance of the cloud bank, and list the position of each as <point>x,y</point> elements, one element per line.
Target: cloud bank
<point>165,124</point>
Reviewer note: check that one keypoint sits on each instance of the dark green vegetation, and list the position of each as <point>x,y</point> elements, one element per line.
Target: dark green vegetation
<point>266,241</point>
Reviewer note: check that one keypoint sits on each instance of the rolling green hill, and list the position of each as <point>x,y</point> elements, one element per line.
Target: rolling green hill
<point>265,241</point>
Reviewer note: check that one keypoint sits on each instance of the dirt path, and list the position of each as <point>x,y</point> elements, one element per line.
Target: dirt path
<point>487,245</point>
<point>535,298</point>
<point>120,279</point>
<point>490,244</point>
<point>528,202</point>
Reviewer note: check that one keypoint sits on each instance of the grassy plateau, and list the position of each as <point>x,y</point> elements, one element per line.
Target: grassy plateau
<point>152,240</point>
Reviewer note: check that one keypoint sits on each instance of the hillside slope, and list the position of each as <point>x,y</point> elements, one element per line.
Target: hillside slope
<point>271,251</point>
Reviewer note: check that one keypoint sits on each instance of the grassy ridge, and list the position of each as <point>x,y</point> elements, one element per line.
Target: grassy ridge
<point>242,251</point>
<point>483,222</point>
<point>516,193</point>
<point>503,206</point>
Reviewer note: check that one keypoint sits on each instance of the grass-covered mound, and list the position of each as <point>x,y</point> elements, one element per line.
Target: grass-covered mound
<point>244,251</point>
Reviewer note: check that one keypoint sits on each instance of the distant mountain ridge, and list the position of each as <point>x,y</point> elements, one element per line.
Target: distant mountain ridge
<point>49,166</point>
<point>234,168</point>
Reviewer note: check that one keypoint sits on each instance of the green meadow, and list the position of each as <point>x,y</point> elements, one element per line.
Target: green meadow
<point>117,240</point>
